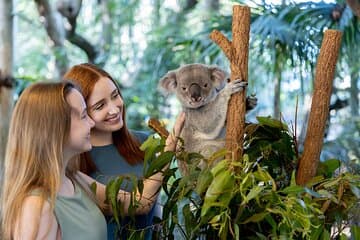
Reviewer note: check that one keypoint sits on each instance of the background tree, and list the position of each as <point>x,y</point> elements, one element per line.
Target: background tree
<point>6,66</point>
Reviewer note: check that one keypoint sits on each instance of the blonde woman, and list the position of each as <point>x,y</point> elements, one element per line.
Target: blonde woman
<point>44,196</point>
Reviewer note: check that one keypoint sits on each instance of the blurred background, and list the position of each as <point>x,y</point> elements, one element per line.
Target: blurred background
<point>138,41</point>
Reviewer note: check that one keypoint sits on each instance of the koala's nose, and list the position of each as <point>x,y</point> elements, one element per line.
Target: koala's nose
<point>195,92</point>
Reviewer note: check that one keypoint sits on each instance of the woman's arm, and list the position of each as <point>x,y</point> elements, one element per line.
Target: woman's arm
<point>146,200</point>
<point>151,185</point>
<point>37,220</point>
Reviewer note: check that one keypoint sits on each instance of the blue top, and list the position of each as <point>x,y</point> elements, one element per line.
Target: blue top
<point>110,164</point>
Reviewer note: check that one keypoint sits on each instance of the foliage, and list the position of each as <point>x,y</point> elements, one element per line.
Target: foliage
<point>254,198</point>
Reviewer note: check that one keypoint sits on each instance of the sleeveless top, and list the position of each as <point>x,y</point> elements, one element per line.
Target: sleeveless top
<point>79,217</point>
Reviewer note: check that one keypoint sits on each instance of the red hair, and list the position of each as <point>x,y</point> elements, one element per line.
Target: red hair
<point>85,76</point>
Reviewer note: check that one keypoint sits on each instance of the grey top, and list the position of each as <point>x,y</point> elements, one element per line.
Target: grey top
<point>79,217</point>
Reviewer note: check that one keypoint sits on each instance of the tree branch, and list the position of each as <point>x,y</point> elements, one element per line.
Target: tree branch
<point>225,45</point>
<point>56,31</point>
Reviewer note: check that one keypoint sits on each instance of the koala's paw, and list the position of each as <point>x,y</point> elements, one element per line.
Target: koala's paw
<point>237,85</point>
<point>251,102</point>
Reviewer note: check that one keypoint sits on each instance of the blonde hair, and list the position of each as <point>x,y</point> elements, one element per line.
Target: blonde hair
<point>39,127</point>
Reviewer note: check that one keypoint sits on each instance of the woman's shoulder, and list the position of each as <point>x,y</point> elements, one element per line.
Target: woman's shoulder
<point>35,205</point>
<point>36,209</point>
<point>140,134</point>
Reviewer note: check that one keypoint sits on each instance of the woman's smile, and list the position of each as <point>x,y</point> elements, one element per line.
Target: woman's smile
<point>113,119</point>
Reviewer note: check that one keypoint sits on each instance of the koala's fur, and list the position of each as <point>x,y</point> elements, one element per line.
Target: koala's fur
<point>203,92</point>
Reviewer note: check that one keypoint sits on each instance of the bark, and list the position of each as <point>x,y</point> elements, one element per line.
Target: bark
<point>6,64</point>
<point>55,29</point>
<point>237,52</point>
<point>324,77</point>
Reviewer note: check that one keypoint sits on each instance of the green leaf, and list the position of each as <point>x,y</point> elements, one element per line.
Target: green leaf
<point>267,121</point>
<point>254,192</point>
<point>203,182</point>
<point>150,142</point>
<point>220,166</point>
<point>293,179</point>
<point>219,192</point>
<point>112,190</point>
<point>328,167</point>
<point>188,217</point>
<point>237,231</point>
<point>294,189</point>
<point>220,154</point>
<point>325,235</point>
<point>256,217</point>
<point>355,232</point>
<point>343,237</point>
<point>159,163</point>
<point>316,233</point>
<point>140,186</point>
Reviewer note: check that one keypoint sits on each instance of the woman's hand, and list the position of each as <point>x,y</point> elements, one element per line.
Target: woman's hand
<point>175,133</point>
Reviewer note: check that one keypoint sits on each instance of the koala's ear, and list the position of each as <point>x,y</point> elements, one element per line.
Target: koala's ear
<point>218,76</point>
<point>168,83</point>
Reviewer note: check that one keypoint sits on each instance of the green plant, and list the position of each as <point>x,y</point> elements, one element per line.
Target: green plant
<point>256,197</point>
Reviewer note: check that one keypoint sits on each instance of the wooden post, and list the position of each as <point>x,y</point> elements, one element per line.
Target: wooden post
<point>324,77</point>
<point>237,52</point>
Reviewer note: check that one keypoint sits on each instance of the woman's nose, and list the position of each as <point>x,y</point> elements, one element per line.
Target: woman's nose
<point>113,109</point>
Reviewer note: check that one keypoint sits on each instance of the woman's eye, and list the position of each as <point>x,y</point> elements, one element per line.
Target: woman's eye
<point>98,107</point>
<point>205,85</point>
<point>184,88</point>
<point>115,95</point>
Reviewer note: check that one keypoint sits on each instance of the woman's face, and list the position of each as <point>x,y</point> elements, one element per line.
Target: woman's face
<point>81,123</point>
<point>105,106</point>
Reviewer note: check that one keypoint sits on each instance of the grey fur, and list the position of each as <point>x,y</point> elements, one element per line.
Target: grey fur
<point>203,92</point>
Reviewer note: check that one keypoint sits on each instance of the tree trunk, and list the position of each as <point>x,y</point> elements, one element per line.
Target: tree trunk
<point>156,16</point>
<point>354,92</point>
<point>277,92</point>
<point>324,77</point>
<point>53,23</point>
<point>6,64</point>
<point>237,52</point>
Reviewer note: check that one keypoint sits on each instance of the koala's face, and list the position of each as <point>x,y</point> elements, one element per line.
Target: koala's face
<point>195,85</point>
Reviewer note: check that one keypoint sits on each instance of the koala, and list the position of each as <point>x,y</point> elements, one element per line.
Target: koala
<point>204,92</point>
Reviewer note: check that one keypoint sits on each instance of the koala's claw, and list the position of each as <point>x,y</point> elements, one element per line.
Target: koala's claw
<point>237,85</point>
<point>251,102</point>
